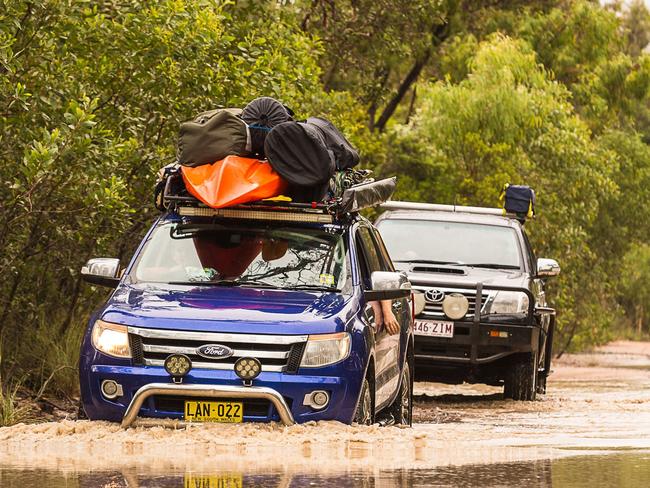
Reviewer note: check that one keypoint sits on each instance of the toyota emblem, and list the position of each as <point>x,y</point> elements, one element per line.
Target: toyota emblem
<point>434,295</point>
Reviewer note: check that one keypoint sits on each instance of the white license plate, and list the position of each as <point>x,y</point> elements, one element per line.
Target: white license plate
<point>435,328</point>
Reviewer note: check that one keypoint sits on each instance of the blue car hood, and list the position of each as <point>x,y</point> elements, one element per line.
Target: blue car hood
<point>229,309</point>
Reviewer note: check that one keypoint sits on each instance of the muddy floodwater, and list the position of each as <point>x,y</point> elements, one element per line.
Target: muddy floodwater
<point>591,429</point>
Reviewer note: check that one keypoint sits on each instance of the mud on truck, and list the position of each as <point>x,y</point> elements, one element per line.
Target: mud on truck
<point>256,312</point>
<point>481,313</point>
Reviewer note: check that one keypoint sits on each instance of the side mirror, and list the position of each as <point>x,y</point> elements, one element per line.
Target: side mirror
<point>547,268</point>
<point>388,285</point>
<point>102,271</point>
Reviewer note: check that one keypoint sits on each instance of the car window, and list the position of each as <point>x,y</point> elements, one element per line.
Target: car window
<point>387,263</point>
<point>530,255</point>
<point>369,257</point>
<point>451,242</point>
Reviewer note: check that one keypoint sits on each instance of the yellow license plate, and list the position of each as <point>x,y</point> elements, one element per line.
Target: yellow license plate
<point>200,411</point>
<point>233,480</point>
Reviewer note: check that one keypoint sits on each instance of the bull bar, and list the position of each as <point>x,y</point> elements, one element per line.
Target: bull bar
<point>212,391</point>
<point>532,312</point>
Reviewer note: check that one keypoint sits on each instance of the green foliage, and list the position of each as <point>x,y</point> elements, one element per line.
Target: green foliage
<point>509,120</point>
<point>10,412</point>
<point>91,95</point>
<point>634,290</point>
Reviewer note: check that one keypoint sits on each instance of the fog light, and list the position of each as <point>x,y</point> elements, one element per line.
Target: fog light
<point>111,389</point>
<point>455,306</point>
<point>317,399</point>
<point>248,368</point>
<point>177,365</point>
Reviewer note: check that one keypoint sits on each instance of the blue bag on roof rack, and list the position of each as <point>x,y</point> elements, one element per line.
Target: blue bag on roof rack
<point>519,200</point>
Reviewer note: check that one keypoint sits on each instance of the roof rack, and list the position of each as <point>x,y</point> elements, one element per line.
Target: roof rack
<point>264,210</point>
<point>396,205</point>
<point>355,198</point>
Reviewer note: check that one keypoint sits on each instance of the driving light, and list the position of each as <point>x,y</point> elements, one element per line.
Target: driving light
<point>325,349</point>
<point>455,306</point>
<point>248,368</point>
<point>317,399</point>
<point>177,365</point>
<point>509,302</point>
<point>111,339</point>
<point>111,389</point>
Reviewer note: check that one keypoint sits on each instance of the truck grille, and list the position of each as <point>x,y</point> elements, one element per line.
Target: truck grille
<point>434,310</point>
<point>277,353</point>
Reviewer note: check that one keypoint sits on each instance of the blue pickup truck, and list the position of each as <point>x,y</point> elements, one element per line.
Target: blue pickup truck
<point>254,313</point>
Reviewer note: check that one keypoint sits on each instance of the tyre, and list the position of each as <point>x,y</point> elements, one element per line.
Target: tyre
<point>521,379</point>
<point>363,415</point>
<point>402,408</point>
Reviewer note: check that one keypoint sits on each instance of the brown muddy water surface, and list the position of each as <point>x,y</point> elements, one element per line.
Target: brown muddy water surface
<point>591,429</point>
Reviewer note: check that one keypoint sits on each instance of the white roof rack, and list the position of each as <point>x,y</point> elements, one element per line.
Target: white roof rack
<point>395,205</point>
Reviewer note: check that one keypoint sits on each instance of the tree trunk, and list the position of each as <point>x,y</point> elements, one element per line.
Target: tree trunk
<point>440,33</point>
<point>404,87</point>
<point>409,114</point>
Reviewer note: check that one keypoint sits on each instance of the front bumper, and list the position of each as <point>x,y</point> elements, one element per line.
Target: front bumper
<point>217,391</point>
<point>484,338</point>
<point>476,343</point>
<point>149,392</point>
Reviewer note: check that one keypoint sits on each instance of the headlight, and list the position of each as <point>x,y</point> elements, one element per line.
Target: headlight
<point>509,302</point>
<point>111,339</point>
<point>324,349</point>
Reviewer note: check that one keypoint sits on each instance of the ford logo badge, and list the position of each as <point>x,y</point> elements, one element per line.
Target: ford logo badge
<point>214,351</point>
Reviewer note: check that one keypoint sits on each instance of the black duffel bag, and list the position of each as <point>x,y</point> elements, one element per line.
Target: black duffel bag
<point>261,115</point>
<point>345,156</point>
<point>212,136</point>
<point>299,153</point>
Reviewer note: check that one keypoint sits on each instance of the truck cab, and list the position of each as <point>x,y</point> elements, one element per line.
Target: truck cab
<point>253,313</point>
<point>483,316</point>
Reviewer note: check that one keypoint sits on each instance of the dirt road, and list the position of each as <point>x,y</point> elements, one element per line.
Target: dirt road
<point>596,402</point>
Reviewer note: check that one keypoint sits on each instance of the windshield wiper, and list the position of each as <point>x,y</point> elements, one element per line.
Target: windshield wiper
<point>309,287</point>
<point>493,266</point>
<point>244,283</point>
<point>425,261</point>
<point>255,284</point>
<point>206,282</point>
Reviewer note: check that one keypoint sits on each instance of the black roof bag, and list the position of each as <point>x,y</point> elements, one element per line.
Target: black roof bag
<point>261,115</point>
<point>345,156</point>
<point>298,152</point>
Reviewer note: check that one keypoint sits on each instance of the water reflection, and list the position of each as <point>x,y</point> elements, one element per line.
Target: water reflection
<point>624,469</point>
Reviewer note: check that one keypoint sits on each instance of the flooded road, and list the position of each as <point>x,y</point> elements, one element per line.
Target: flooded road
<point>616,470</point>
<point>591,429</point>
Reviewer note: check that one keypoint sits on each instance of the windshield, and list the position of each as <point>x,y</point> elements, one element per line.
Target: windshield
<point>451,243</point>
<point>213,254</point>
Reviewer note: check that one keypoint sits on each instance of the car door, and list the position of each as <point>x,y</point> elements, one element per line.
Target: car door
<point>401,308</point>
<point>537,289</point>
<point>386,345</point>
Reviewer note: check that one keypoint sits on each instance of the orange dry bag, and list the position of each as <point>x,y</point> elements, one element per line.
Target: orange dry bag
<point>232,181</point>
